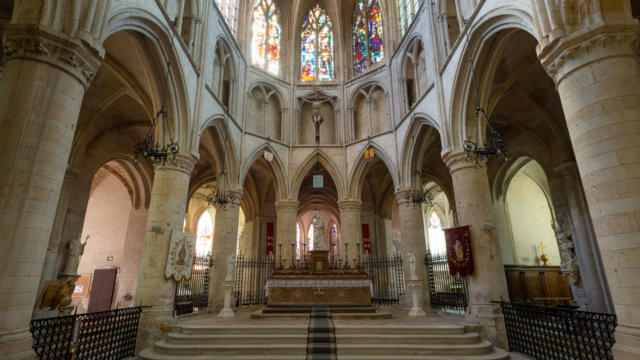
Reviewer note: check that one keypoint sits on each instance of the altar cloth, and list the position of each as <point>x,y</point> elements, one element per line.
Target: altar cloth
<point>319,283</point>
<point>291,291</point>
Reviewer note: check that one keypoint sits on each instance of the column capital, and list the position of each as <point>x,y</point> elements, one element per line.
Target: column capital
<point>349,205</point>
<point>457,160</point>
<point>404,197</point>
<point>287,206</point>
<point>38,44</point>
<point>183,163</point>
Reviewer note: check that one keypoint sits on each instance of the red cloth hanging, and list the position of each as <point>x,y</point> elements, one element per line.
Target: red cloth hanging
<point>366,240</point>
<point>269,238</point>
<point>459,250</point>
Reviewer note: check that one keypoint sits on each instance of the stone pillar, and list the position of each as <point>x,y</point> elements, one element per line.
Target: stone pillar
<point>488,283</point>
<point>350,229</point>
<point>414,249</point>
<point>597,76</point>
<point>287,217</point>
<point>225,239</point>
<point>591,290</point>
<point>44,80</point>
<point>167,209</point>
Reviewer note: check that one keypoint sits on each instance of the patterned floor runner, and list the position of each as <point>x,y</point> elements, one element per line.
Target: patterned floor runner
<point>321,338</point>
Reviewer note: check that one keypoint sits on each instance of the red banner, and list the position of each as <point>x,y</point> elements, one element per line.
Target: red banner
<point>459,250</point>
<point>366,240</point>
<point>269,238</point>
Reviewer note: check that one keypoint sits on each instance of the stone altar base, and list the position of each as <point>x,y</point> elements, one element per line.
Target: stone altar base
<point>319,290</point>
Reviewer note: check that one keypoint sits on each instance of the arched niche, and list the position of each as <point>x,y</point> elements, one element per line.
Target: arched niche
<point>370,112</point>
<point>224,74</point>
<point>317,119</point>
<point>264,115</point>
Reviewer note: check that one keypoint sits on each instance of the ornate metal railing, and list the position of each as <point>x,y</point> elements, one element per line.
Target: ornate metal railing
<point>251,277</point>
<point>553,333</point>
<point>446,292</point>
<point>193,295</point>
<point>105,335</point>
<point>387,277</point>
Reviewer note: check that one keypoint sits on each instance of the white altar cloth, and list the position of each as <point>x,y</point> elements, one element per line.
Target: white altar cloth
<point>318,284</point>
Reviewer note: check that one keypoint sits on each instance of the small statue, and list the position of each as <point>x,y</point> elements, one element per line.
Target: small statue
<point>317,120</point>
<point>74,252</point>
<point>318,234</point>
<point>230,268</point>
<point>412,266</point>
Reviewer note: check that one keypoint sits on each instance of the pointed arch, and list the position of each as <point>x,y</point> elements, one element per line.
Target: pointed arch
<point>367,35</point>
<point>318,156</point>
<point>413,149</point>
<point>359,171</point>
<point>277,169</point>
<point>218,124</point>
<point>317,46</point>
<point>266,30</point>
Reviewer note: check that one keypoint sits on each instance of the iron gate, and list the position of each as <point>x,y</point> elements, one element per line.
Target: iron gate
<point>193,295</point>
<point>251,278</point>
<point>387,277</point>
<point>446,292</point>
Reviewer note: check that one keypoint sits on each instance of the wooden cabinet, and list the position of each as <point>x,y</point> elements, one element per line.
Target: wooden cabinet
<point>542,285</point>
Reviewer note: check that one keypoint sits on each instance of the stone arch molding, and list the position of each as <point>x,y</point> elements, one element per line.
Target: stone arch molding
<point>219,124</point>
<point>156,31</point>
<point>317,156</point>
<point>413,148</point>
<point>367,90</point>
<point>276,166</point>
<point>359,171</point>
<point>486,26</point>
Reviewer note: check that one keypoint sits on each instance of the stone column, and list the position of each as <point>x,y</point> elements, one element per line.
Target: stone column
<point>225,239</point>
<point>590,287</point>
<point>414,249</point>
<point>597,76</point>
<point>350,229</point>
<point>41,90</point>
<point>488,283</point>
<point>167,210</point>
<point>287,217</point>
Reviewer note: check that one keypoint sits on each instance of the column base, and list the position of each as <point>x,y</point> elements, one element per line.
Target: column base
<point>16,345</point>
<point>490,318</point>
<point>627,345</point>
<point>226,313</point>
<point>153,321</point>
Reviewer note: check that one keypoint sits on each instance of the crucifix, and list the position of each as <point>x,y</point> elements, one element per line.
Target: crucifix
<point>317,120</point>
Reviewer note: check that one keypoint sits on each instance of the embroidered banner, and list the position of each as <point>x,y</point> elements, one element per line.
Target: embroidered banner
<point>366,240</point>
<point>180,257</point>
<point>369,155</point>
<point>459,251</point>
<point>269,238</point>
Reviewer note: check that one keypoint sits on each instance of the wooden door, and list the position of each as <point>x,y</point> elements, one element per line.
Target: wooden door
<point>104,281</point>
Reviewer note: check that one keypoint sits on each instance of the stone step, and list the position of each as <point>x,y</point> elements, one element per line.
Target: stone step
<point>496,354</point>
<point>466,338</point>
<point>179,338</point>
<point>164,347</point>
<point>249,329</point>
<point>401,330</point>
<point>479,348</point>
<point>149,354</point>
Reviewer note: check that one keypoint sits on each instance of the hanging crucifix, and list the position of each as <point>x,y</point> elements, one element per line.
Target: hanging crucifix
<point>317,120</point>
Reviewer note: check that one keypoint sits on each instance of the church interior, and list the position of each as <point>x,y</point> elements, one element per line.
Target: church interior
<point>320,179</point>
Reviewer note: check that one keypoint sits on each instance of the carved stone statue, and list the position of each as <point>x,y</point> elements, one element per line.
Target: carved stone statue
<point>230,268</point>
<point>318,234</point>
<point>317,120</point>
<point>74,252</point>
<point>411,260</point>
<point>569,261</point>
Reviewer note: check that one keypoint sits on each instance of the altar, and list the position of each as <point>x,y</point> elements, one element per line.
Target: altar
<point>319,290</point>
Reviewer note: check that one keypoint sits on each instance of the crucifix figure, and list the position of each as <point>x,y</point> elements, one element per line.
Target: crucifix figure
<point>317,120</point>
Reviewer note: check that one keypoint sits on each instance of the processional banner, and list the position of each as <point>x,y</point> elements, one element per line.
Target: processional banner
<point>180,257</point>
<point>366,240</point>
<point>269,238</point>
<point>459,250</point>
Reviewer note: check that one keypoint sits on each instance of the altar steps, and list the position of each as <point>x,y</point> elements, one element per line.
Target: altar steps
<point>347,312</point>
<point>289,342</point>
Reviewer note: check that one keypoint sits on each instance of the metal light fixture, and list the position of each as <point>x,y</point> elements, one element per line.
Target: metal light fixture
<point>419,197</point>
<point>222,197</point>
<point>493,145</point>
<point>150,148</point>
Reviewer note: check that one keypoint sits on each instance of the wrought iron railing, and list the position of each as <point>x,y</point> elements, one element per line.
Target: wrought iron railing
<point>446,292</point>
<point>251,278</point>
<point>387,277</point>
<point>192,295</point>
<point>554,333</point>
<point>105,335</point>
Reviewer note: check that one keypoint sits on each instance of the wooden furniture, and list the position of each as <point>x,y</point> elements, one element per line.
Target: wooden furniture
<point>541,285</point>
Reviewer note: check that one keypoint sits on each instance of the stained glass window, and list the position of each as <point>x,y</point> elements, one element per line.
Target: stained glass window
<point>407,10</point>
<point>266,36</point>
<point>204,241</point>
<point>316,53</point>
<point>437,243</point>
<point>367,35</point>
<point>229,9</point>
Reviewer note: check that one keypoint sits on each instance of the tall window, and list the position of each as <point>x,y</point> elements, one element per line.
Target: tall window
<point>407,10</point>
<point>229,9</point>
<point>335,240</point>
<point>316,54</point>
<point>265,52</point>
<point>367,35</point>
<point>310,238</point>
<point>437,243</point>
<point>204,241</point>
